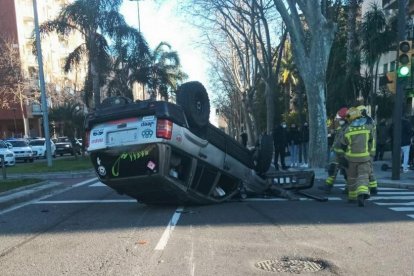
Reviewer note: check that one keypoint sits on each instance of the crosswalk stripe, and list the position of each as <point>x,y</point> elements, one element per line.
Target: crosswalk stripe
<point>411,215</point>
<point>85,201</point>
<point>402,209</point>
<point>396,193</point>
<point>392,197</point>
<point>98,184</point>
<point>395,203</point>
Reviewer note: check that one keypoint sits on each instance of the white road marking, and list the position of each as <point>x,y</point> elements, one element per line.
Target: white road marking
<point>411,216</point>
<point>395,203</point>
<point>18,206</point>
<point>395,193</point>
<point>382,189</point>
<point>170,228</point>
<point>285,199</point>
<point>98,184</point>
<point>402,209</point>
<point>86,201</point>
<point>392,197</point>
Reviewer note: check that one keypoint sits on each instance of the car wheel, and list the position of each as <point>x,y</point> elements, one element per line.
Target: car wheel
<point>61,154</point>
<point>31,160</point>
<point>264,155</point>
<point>193,98</point>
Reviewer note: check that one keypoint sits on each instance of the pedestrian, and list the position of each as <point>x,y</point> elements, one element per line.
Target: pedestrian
<point>243,137</point>
<point>357,142</point>
<point>304,145</point>
<point>382,138</point>
<point>280,142</point>
<point>406,133</point>
<point>338,162</point>
<point>294,142</point>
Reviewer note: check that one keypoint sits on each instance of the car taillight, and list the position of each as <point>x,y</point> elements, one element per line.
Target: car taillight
<point>164,129</point>
<point>87,139</point>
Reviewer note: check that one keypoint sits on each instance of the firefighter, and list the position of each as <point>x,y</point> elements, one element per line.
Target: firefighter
<point>357,142</point>
<point>337,164</point>
<point>373,184</point>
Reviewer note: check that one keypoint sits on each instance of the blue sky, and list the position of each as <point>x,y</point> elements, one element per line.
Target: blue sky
<point>163,23</point>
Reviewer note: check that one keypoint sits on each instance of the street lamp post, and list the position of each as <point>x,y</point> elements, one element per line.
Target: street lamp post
<point>42,87</point>
<point>139,21</point>
<point>139,29</point>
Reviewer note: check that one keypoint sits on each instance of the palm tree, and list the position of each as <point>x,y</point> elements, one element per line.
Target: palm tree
<point>162,73</point>
<point>96,21</point>
<point>289,77</point>
<point>377,38</point>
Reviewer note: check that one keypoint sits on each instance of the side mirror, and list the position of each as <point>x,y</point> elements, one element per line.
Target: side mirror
<point>9,146</point>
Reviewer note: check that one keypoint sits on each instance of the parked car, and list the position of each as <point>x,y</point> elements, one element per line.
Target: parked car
<point>9,156</point>
<point>39,148</point>
<point>64,146</point>
<point>22,150</point>
<point>159,152</point>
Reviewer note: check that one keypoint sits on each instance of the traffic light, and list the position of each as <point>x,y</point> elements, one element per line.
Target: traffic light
<point>404,59</point>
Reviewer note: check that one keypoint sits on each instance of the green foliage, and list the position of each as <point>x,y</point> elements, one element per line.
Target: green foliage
<point>59,165</point>
<point>70,116</point>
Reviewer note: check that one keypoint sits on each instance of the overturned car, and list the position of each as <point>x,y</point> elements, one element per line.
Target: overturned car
<point>163,153</point>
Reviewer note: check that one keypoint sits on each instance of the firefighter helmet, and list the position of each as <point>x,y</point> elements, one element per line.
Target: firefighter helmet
<point>353,113</point>
<point>341,114</point>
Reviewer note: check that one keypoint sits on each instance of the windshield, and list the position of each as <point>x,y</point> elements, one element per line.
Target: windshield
<point>62,140</point>
<point>18,143</point>
<point>37,143</point>
<point>2,145</point>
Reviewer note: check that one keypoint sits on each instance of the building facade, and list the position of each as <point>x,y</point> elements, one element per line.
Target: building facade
<point>17,25</point>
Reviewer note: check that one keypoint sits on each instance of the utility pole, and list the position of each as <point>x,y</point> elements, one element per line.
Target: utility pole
<point>399,97</point>
<point>42,87</point>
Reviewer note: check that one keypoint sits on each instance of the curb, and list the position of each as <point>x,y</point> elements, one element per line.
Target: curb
<point>381,183</point>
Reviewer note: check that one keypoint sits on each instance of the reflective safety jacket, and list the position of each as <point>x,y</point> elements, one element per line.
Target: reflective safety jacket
<point>358,140</point>
<point>337,146</point>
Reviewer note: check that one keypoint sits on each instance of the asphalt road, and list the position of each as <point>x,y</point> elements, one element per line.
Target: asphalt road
<point>90,230</point>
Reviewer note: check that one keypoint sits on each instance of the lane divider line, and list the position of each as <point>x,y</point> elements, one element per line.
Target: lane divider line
<point>170,228</point>
<point>86,201</point>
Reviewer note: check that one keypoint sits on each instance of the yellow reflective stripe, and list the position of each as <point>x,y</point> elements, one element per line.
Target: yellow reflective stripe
<point>362,154</point>
<point>352,195</point>
<point>362,190</point>
<point>338,150</point>
<point>373,184</point>
<point>330,180</point>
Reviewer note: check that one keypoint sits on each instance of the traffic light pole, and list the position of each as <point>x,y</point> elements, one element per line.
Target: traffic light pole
<point>399,97</point>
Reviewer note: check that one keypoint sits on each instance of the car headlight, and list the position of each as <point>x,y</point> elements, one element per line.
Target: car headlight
<point>67,146</point>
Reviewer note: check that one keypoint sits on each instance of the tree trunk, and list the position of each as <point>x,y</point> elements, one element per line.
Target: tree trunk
<point>95,85</point>
<point>318,132</point>
<point>270,107</point>
<point>350,43</point>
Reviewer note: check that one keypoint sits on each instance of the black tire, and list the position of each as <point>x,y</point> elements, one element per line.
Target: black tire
<point>61,154</point>
<point>264,154</point>
<point>193,98</point>
<point>31,160</point>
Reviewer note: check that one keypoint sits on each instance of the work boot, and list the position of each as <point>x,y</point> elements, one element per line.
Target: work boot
<point>345,191</point>
<point>326,188</point>
<point>361,199</point>
<point>373,191</point>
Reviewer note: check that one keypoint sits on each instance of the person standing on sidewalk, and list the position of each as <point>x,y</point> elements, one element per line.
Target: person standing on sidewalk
<point>382,137</point>
<point>294,142</point>
<point>280,142</point>
<point>406,133</point>
<point>338,162</point>
<point>357,142</point>
<point>304,145</point>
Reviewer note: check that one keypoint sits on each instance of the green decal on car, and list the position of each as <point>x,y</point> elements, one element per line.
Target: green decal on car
<point>131,156</point>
